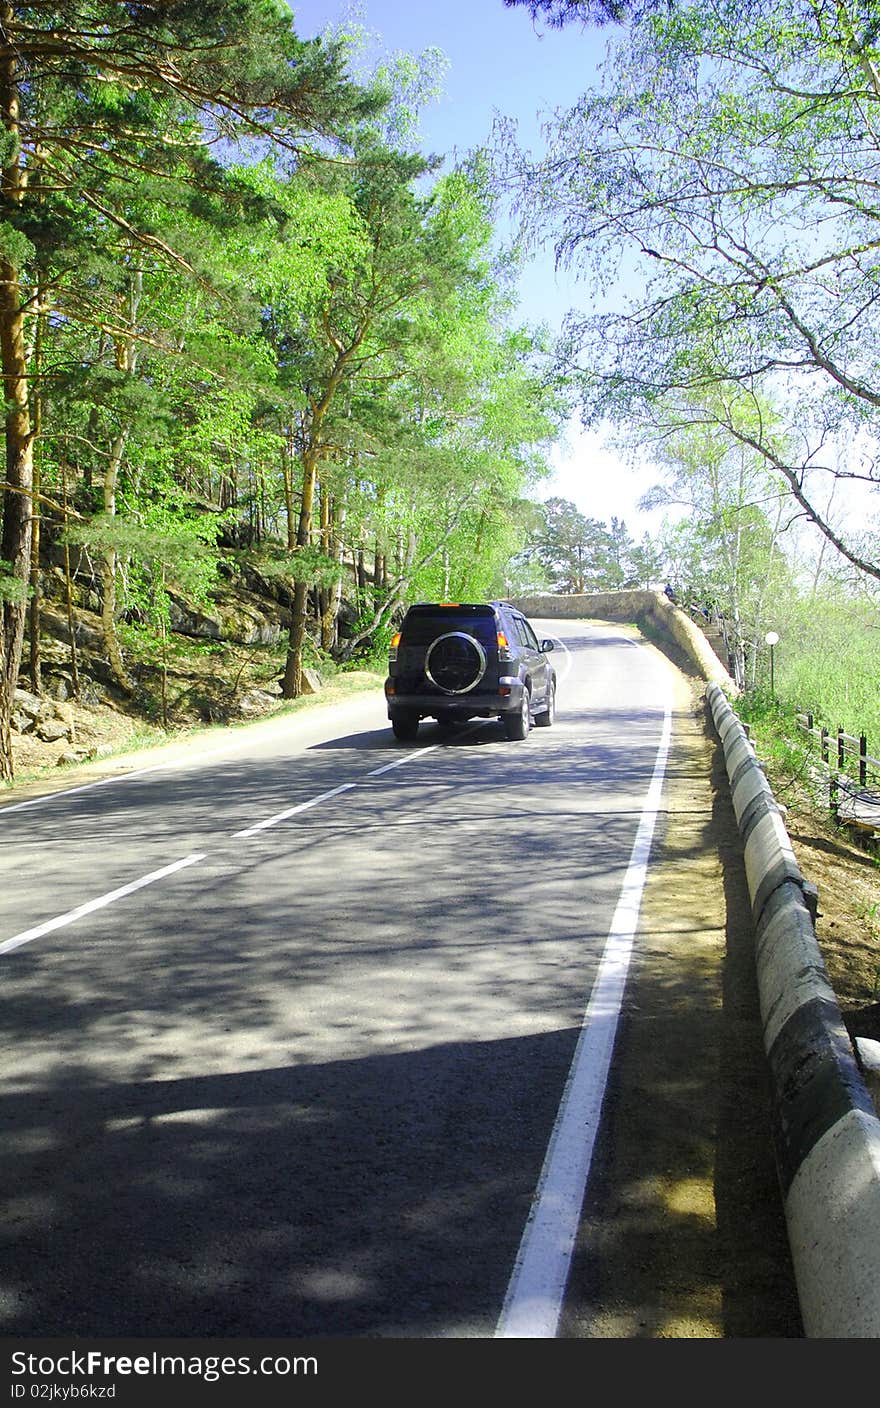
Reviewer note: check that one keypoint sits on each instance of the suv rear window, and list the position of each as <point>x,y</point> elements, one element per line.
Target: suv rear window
<point>424,623</point>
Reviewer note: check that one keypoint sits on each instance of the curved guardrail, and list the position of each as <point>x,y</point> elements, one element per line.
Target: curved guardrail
<point>826,1129</point>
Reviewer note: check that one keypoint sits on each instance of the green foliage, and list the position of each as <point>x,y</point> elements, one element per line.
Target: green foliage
<point>773,728</point>
<point>573,553</point>
<point>15,247</point>
<point>163,548</point>
<point>826,663</point>
<point>254,287</point>
<point>307,564</point>
<point>726,166</point>
<point>12,589</point>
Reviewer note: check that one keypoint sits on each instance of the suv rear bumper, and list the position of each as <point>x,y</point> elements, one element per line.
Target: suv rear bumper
<point>474,705</point>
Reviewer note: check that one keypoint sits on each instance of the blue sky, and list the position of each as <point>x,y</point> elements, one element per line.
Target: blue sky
<point>500,62</point>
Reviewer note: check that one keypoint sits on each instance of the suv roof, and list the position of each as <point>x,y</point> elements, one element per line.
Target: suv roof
<point>439,608</point>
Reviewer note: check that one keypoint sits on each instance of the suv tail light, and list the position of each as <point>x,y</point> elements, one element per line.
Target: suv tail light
<point>392,649</point>
<point>503,647</point>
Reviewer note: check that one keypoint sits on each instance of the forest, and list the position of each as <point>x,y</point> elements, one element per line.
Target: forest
<point>243,324</point>
<point>250,331</point>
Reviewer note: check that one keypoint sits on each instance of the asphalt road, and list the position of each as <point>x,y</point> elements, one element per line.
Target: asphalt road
<point>292,1024</point>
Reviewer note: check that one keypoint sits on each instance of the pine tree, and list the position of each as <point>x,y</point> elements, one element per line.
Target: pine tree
<point>100,99</point>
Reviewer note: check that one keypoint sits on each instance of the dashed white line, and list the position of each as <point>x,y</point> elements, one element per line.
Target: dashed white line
<point>407,758</point>
<point>60,921</point>
<point>72,915</point>
<point>292,811</point>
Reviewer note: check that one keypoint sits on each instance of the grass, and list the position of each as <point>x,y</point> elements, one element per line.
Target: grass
<point>826,664</point>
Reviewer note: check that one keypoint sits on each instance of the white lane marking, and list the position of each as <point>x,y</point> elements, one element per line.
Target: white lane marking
<point>533,1303</point>
<point>292,811</point>
<point>59,922</point>
<point>41,929</point>
<point>432,747</point>
<point>407,758</point>
<point>72,915</point>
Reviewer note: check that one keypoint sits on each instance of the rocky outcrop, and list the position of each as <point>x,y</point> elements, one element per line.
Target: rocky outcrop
<point>50,720</point>
<point>235,615</point>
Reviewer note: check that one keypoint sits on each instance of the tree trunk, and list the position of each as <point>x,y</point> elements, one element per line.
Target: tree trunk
<point>15,546</point>
<point>126,361</point>
<point>16,542</point>
<point>288,454</point>
<point>328,596</point>
<point>35,664</point>
<point>312,453</point>
<point>34,605</point>
<point>291,686</point>
<point>109,563</point>
<point>68,589</point>
<point>338,551</point>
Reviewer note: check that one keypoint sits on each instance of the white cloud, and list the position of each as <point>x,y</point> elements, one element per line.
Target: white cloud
<point>599,481</point>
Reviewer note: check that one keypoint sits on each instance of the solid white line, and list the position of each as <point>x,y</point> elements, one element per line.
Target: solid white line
<point>292,811</point>
<point>533,1303</point>
<point>37,933</point>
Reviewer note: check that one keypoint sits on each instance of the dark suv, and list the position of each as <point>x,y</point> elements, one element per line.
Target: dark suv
<point>452,662</point>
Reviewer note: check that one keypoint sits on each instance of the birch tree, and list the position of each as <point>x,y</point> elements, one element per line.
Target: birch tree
<point>718,194</point>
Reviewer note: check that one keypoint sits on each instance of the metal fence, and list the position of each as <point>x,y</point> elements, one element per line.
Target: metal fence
<point>853,774</point>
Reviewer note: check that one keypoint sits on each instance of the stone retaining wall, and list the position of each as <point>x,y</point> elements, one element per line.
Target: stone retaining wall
<point>642,608</point>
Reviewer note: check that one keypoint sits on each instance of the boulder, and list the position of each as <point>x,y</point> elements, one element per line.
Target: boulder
<point>52,730</point>
<point>86,627</point>
<point>23,702</point>
<point>49,719</point>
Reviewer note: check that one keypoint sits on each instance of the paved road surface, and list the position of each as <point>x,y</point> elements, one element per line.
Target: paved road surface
<point>289,1025</point>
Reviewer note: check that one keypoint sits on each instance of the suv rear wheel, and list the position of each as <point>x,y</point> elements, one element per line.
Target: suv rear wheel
<point>517,725</point>
<point>404,725</point>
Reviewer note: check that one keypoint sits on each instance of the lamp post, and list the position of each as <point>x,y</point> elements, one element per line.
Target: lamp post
<point>772,639</point>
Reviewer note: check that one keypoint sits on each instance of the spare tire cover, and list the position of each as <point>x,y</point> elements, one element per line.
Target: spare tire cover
<point>455,662</point>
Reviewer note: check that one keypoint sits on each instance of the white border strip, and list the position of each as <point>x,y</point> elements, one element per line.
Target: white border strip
<point>533,1303</point>
<point>73,914</point>
<point>407,758</point>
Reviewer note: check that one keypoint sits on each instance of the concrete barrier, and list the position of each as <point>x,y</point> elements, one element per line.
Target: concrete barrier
<point>826,1130</point>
